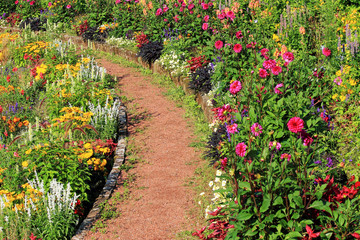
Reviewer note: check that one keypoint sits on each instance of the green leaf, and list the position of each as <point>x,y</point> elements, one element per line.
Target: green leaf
<point>265,205</point>
<point>319,205</point>
<point>278,201</point>
<point>250,232</point>
<point>244,216</point>
<point>293,235</point>
<point>244,185</point>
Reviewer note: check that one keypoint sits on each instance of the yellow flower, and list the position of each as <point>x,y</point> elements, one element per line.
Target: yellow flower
<point>25,164</point>
<point>334,96</point>
<point>276,38</point>
<point>87,145</point>
<point>28,151</point>
<point>103,164</point>
<point>352,82</point>
<point>342,98</point>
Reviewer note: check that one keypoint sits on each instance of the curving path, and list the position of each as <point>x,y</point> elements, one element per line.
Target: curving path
<point>158,206</point>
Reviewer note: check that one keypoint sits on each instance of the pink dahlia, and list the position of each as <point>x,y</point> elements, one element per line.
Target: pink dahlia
<point>263,73</point>
<point>326,52</point>
<point>338,81</point>
<point>232,128</point>
<point>16,2</point>
<point>230,15</point>
<point>206,18</point>
<point>237,48</point>
<point>219,44</point>
<point>159,11</point>
<point>264,52</point>
<point>191,6</point>
<point>68,6</point>
<point>50,4</point>
<point>239,35</point>
<point>288,57</point>
<point>165,8</point>
<point>276,70</point>
<point>276,90</point>
<point>204,6</point>
<point>268,64</point>
<point>205,26</point>
<point>235,87</point>
<point>295,124</point>
<point>241,149</point>
<point>221,16</point>
<point>256,129</point>
<point>32,3</point>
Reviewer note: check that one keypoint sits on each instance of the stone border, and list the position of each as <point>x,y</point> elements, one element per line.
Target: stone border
<point>110,184</point>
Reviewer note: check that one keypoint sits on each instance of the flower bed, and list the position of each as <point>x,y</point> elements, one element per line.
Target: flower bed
<point>283,83</point>
<point>58,132</point>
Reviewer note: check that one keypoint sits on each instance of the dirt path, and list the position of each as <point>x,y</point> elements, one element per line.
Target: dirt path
<point>158,205</point>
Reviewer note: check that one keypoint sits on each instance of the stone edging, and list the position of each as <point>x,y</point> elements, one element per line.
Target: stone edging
<point>119,158</point>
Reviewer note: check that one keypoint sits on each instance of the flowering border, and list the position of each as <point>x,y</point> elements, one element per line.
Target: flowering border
<point>110,184</point>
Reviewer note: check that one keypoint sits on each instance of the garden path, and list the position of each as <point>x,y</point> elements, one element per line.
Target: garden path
<point>159,204</point>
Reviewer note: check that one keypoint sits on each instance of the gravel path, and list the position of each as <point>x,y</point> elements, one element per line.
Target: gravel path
<point>157,208</point>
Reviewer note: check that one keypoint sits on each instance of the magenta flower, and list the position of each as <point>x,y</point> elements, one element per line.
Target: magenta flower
<point>295,124</point>
<point>276,90</point>
<point>32,3</point>
<point>338,81</point>
<point>235,87</point>
<point>223,163</point>
<point>230,15</point>
<point>268,64</point>
<point>16,2</point>
<point>191,6</point>
<point>326,52</point>
<point>219,44</point>
<point>256,129</point>
<point>159,12</point>
<point>274,145</point>
<point>165,8</point>
<point>276,70</point>
<point>206,18</point>
<point>205,26</point>
<point>176,18</point>
<point>264,52</point>
<point>68,6</point>
<point>241,149</point>
<point>286,156</point>
<point>237,48</point>
<point>232,128</point>
<point>263,73</point>
<point>204,6</point>
<point>221,16</point>
<point>239,35</point>
<point>50,4</point>
<point>288,57</point>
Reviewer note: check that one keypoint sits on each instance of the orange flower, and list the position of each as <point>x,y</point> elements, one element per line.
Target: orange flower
<point>302,30</point>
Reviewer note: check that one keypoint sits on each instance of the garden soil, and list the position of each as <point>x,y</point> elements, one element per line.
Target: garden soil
<point>159,201</point>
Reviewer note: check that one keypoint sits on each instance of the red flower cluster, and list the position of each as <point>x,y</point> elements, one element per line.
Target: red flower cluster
<point>197,62</point>
<point>82,28</point>
<point>334,193</point>
<point>219,227</point>
<point>141,39</point>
